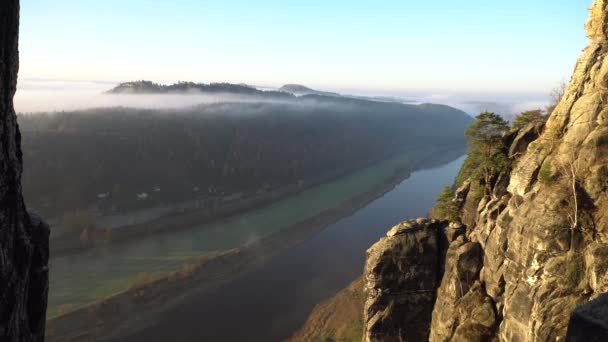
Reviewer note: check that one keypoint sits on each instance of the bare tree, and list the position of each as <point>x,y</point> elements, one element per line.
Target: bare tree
<point>570,170</point>
<point>557,94</point>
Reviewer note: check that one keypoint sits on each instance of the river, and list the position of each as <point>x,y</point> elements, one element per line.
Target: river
<point>82,278</point>
<point>272,301</point>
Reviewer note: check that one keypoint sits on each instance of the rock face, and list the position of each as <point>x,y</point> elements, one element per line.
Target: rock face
<point>401,274</point>
<point>23,237</point>
<point>533,250</point>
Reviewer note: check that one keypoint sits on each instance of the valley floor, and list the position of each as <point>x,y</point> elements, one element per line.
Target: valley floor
<point>234,258</point>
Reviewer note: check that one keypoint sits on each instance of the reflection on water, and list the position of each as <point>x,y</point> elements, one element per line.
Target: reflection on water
<point>271,302</point>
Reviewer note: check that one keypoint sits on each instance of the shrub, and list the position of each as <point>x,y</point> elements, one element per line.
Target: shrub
<point>446,208</point>
<point>525,118</point>
<point>467,170</point>
<point>98,303</point>
<point>476,193</point>
<point>189,269</point>
<point>545,174</point>
<point>323,339</point>
<point>76,222</point>
<point>65,309</point>
<point>142,280</point>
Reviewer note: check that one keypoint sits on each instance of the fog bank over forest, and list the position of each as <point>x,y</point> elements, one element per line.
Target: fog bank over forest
<point>232,147</point>
<point>59,95</point>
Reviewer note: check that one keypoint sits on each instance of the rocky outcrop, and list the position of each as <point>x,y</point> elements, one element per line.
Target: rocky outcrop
<point>534,250</point>
<point>523,137</point>
<point>23,237</point>
<point>463,263</point>
<point>401,275</point>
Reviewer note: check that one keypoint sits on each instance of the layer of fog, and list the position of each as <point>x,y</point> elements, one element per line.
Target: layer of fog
<point>55,95</point>
<point>506,105</point>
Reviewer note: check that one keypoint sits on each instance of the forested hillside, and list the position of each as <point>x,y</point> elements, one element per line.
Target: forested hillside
<point>148,87</point>
<point>123,158</point>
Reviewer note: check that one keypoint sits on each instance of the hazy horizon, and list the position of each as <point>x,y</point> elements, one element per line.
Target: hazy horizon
<point>444,175</point>
<point>47,95</point>
<point>396,47</point>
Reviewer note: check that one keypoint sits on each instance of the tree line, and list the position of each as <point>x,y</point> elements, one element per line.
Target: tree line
<point>110,158</point>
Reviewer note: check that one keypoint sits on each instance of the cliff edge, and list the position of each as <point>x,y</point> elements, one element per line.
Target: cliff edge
<point>534,246</point>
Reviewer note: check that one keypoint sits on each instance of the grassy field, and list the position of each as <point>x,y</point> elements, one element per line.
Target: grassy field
<point>80,279</point>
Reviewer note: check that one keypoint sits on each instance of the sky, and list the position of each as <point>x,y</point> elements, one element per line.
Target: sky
<point>478,50</point>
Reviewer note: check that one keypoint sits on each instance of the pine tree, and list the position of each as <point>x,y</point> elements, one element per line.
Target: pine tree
<point>527,117</point>
<point>486,147</point>
<point>446,208</point>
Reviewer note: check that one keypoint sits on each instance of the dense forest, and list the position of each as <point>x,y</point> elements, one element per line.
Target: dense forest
<point>124,158</point>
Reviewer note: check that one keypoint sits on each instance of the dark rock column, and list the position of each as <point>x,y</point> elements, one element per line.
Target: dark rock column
<point>589,322</point>
<point>23,239</point>
<point>402,273</point>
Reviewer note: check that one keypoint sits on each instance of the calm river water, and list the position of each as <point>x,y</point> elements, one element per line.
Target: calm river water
<point>272,301</point>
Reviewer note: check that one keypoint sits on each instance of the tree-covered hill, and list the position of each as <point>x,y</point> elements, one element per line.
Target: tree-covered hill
<point>148,87</point>
<point>109,158</point>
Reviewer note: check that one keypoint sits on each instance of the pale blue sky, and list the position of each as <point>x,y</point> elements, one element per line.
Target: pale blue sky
<point>380,46</point>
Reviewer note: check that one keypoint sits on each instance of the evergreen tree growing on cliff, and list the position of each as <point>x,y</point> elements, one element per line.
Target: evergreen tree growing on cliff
<point>527,117</point>
<point>446,208</point>
<point>487,149</point>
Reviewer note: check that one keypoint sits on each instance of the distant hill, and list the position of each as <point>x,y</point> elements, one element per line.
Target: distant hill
<point>148,87</point>
<point>287,91</point>
<point>299,90</point>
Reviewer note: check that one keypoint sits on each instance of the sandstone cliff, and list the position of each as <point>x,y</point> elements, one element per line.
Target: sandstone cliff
<point>23,238</point>
<point>533,250</point>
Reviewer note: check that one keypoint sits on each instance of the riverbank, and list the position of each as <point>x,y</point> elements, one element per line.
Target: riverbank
<point>136,309</point>
<point>339,318</point>
<point>267,298</point>
<point>127,227</point>
<point>272,301</point>
<point>93,275</point>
